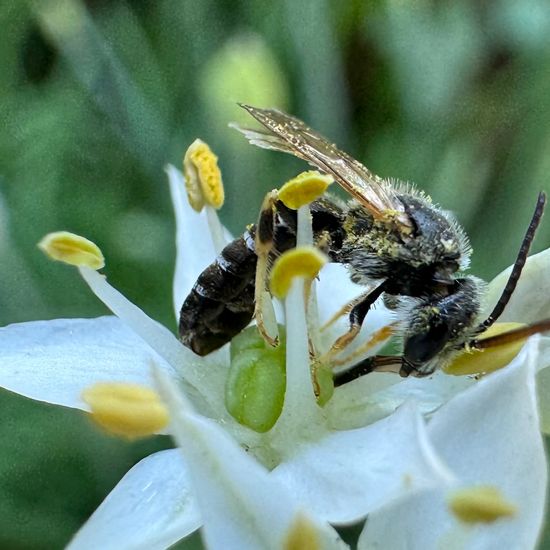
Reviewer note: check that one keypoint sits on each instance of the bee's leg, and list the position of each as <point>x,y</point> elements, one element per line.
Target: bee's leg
<point>395,364</point>
<point>356,317</point>
<point>264,245</point>
<point>376,338</point>
<point>375,363</point>
<point>408,369</point>
<point>344,310</point>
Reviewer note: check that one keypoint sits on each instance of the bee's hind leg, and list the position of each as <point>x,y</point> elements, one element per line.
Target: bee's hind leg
<point>264,245</point>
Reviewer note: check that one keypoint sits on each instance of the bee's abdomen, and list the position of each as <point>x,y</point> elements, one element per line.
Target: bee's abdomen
<point>221,302</point>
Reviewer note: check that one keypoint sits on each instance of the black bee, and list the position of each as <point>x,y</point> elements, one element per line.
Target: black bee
<point>393,240</point>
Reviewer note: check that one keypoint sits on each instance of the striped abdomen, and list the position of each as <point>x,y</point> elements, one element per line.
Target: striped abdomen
<point>221,302</point>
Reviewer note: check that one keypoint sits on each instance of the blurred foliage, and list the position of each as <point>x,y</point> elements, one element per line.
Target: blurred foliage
<point>97,96</point>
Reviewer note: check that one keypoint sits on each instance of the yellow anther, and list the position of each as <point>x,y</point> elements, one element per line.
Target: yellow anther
<point>203,179</point>
<point>304,188</point>
<point>302,535</point>
<point>487,360</point>
<point>482,504</point>
<point>126,410</point>
<point>72,249</point>
<point>305,261</point>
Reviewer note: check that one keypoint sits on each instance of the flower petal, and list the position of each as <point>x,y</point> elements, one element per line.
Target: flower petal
<point>195,247</point>
<point>206,391</point>
<point>348,474</point>
<point>488,435</point>
<point>530,301</point>
<point>152,507</point>
<point>54,361</point>
<point>377,395</point>
<point>498,417</point>
<point>543,383</point>
<point>242,505</point>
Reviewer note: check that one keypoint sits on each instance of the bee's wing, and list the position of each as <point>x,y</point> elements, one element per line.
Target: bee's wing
<point>290,135</point>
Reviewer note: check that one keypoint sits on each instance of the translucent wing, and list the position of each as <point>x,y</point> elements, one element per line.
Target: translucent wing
<point>290,135</point>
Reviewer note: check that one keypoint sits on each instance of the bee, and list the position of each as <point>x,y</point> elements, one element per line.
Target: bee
<point>392,238</point>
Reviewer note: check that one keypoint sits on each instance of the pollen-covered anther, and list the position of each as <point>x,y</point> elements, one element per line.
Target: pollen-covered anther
<point>126,410</point>
<point>302,535</point>
<point>72,249</point>
<point>304,188</point>
<point>476,361</point>
<point>482,504</point>
<point>304,261</point>
<point>203,179</point>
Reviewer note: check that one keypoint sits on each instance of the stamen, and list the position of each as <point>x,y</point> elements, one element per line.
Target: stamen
<point>300,406</point>
<point>483,504</point>
<point>475,361</point>
<point>72,249</point>
<point>305,261</point>
<point>304,188</point>
<point>302,535</point>
<point>203,179</point>
<point>304,234</point>
<point>126,410</point>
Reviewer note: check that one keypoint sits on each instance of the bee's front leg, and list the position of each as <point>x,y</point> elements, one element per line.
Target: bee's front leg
<point>356,317</point>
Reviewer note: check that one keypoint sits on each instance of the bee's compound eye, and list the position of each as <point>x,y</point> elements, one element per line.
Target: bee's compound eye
<point>420,348</point>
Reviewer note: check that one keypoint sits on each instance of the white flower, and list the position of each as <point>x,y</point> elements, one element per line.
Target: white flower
<point>368,452</point>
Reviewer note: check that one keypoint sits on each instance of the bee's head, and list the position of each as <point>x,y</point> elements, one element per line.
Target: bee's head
<point>441,323</point>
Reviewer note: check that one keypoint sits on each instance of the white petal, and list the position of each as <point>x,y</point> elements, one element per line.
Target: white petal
<point>415,522</point>
<point>487,435</point>
<point>194,245</point>
<point>348,474</point>
<point>334,289</point>
<point>152,507</point>
<point>543,383</point>
<point>498,419</point>
<point>377,395</point>
<point>54,361</point>
<point>530,301</point>
<point>241,505</point>
<point>206,391</point>
<point>199,238</point>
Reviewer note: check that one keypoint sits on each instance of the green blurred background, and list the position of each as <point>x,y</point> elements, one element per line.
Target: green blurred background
<point>96,97</point>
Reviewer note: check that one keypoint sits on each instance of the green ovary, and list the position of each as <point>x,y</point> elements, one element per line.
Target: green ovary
<point>255,387</point>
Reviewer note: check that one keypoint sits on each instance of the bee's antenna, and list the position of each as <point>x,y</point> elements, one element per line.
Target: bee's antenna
<point>518,264</point>
<point>511,336</point>
<point>376,363</point>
